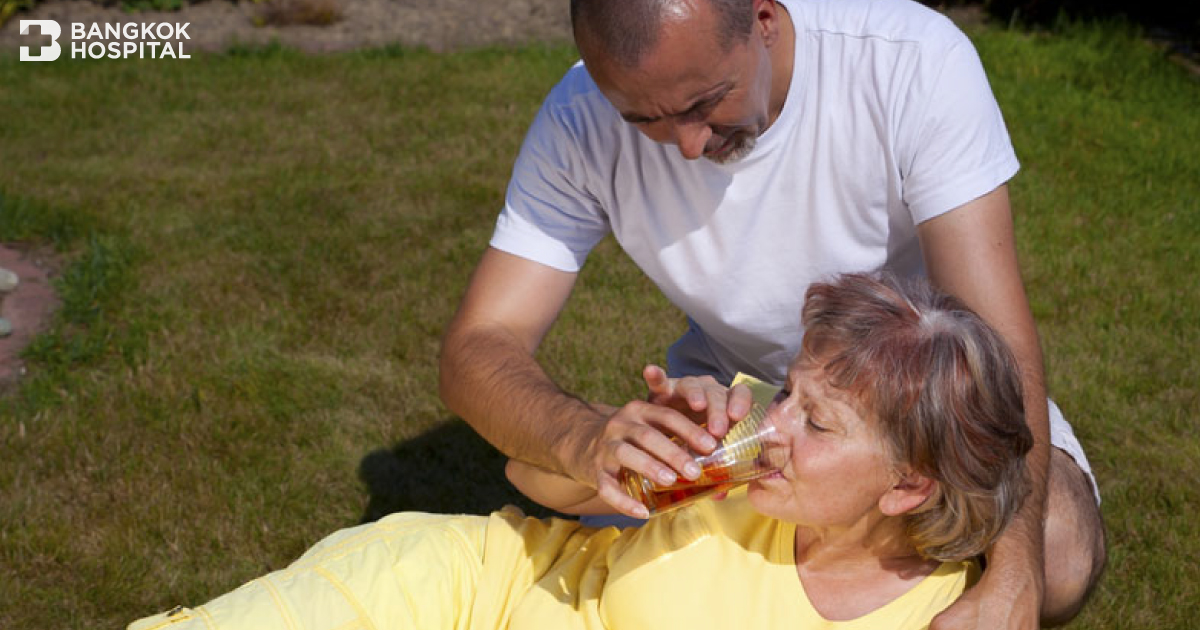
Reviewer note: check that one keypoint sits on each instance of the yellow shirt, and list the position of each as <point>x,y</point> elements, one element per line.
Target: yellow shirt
<point>712,565</point>
<point>715,565</point>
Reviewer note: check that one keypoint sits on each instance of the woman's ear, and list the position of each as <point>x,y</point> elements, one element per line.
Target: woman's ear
<point>907,494</point>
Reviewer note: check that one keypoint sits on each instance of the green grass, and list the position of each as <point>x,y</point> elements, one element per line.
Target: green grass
<point>1109,216</point>
<point>260,250</point>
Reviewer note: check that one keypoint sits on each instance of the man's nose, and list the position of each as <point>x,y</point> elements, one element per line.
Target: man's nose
<point>691,138</point>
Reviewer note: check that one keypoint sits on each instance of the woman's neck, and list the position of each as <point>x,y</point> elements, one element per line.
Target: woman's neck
<point>848,572</point>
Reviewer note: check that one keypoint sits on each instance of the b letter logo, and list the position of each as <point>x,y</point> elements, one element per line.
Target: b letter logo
<point>46,52</point>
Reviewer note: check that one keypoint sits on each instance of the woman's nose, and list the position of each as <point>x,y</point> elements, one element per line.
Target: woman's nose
<point>782,414</point>
<point>774,439</point>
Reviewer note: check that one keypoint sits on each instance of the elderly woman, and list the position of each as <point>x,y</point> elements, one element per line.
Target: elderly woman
<point>904,419</point>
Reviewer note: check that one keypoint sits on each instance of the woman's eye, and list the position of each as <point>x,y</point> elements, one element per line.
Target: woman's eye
<point>812,421</point>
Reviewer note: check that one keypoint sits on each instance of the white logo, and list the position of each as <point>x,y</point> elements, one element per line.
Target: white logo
<point>46,52</point>
<point>156,40</point>
<point>152,40</point>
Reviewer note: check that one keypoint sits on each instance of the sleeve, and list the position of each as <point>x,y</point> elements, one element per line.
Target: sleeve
<point>763,393</point>
<point>958,148</point>
<point>549,216</point>
<point>408,570</point>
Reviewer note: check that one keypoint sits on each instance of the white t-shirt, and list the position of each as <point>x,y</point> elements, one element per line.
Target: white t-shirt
<point>889,121</point>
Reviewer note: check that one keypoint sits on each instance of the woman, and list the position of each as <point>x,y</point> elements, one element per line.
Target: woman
<point>904,418</point>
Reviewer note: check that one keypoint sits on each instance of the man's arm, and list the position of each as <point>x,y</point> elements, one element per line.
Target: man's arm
<point>489,377</point>
<point>488,373</point>
<point>970,252</point>
<point>555,491</point>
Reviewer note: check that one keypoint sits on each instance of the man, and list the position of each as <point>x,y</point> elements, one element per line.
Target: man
<point>739,150</point>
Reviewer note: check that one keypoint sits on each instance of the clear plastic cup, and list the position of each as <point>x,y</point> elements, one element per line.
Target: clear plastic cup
<point>753,448</point>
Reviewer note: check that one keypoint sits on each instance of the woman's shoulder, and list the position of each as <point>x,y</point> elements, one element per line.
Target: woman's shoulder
<point>915,609</point>
<point>708,552</point>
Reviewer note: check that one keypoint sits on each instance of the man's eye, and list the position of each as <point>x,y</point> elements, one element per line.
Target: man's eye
<point>814,426</point>
<point>699,112</point>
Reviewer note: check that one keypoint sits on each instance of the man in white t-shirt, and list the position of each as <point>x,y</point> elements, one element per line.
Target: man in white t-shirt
<point>848,135</point>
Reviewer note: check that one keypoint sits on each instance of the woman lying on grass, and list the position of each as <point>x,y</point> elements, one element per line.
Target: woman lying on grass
<point>907,438</point>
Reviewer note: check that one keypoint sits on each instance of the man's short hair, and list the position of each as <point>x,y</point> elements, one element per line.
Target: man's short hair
<point>945,394</point>
<point>627,29</point>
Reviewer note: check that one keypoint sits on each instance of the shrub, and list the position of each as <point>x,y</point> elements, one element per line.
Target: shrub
<point>9,7</point>
<point>151,5</point>
<point>1182,18</point>
<point>299,12</point>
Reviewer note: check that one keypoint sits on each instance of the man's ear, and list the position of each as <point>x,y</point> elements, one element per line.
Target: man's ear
<point>766,20</point>
<point>907,494</point>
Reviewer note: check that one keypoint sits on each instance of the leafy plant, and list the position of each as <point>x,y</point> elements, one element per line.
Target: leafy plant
<point>299,12</point>
<point>9,7</point>
<point>134,6</point>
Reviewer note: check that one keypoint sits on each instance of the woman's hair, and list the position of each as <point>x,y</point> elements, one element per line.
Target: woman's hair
<point>945,392</point>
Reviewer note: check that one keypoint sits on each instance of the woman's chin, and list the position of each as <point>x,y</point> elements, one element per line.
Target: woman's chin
<point>764,492</point>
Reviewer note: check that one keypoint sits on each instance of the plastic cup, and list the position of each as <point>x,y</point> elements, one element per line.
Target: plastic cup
<point>753,448</point>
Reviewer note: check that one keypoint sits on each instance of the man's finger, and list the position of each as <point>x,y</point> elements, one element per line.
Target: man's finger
<point>740,401</point>
<point>650,448</point>
<point>717,417</point>
<point>669,422</point>
<point>657,466</point>
<point>728,407</point>
<point>610,491</point>
<point>694,391</point>
<point>657,381</point>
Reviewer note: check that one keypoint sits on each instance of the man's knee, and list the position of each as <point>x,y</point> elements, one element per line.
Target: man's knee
<point>1075,541</point>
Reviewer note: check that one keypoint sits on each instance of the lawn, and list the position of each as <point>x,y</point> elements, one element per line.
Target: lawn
<point>259,251</point>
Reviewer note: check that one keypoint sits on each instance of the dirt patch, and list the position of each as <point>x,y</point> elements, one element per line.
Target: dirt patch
<point>28,307</point>
<point>216,25</point>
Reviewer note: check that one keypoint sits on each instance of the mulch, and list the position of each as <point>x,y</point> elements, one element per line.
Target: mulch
<point>216,25</point>
<point>29,307</point>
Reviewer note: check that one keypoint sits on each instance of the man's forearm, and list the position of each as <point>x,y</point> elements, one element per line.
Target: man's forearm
<point>970,252</point>
<point>1021,543</point>
<point>492,382</point>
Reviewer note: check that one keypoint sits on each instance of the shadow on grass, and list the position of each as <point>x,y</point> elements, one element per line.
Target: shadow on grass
<point>447,470</point>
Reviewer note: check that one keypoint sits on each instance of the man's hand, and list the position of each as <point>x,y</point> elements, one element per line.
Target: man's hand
<point>701,398</point>
<point>1002,600</point>
<point>639,435</point>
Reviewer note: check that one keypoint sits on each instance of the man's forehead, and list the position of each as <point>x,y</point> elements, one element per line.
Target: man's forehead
<point>672,76</point>
<point>636,100</point>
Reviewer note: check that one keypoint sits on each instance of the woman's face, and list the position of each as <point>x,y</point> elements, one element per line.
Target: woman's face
<point>839,467</point>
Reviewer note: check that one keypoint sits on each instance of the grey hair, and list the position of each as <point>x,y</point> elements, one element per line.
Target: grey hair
<point>945,392</point>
